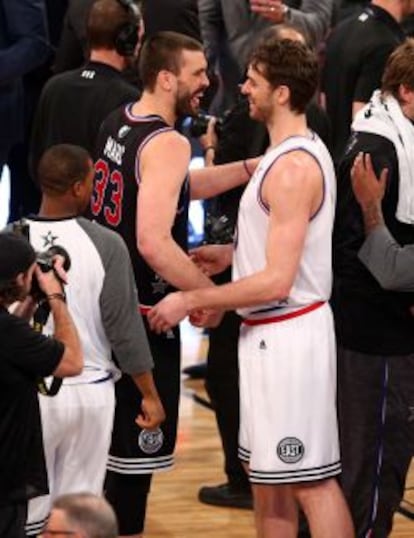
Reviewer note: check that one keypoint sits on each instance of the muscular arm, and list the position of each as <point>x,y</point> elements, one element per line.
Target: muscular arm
<point>292,191</point>
<point>213,180</point>
<point>65,331</point>
<point>28,37</point>
<point>159,189</point>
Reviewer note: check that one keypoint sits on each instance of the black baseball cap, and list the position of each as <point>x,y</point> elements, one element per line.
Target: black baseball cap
<point>16,255</point>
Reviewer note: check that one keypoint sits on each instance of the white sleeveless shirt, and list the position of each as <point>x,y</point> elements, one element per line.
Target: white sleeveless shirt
<point>313,280</point>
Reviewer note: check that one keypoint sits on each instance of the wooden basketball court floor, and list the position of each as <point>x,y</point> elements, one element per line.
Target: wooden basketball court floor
<point>174,511</point>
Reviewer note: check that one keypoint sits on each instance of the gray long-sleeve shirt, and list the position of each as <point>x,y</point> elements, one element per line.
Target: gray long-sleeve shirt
<point>390,263</point>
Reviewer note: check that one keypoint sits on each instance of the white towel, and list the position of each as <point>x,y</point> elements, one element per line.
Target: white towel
<point>383,116</point>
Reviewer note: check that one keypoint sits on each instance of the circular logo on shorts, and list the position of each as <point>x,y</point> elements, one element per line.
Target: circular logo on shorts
<point>290,450</point>
<point>150,441</point>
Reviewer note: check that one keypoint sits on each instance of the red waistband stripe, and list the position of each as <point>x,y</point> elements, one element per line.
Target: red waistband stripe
<point>284,317</point>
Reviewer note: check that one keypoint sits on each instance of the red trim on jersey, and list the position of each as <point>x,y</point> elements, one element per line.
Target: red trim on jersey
<point>283,317</point>
<point>144,309</point>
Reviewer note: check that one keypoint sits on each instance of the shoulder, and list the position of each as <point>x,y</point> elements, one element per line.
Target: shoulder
<point>100,235</point>
<point>59,83</point>
<point>13,328</point>
<point>114,115</point>
<point>294,170</point>
<point>376,145</point>
<point>170,142</point>
<point>126,90</point>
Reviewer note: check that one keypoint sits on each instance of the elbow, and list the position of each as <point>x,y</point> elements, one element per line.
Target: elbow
<point>277,289</point>
<point>77,365</point>
<point>386,283</point>
<point>147,249</point>
<point>390,282</point>
<point>150,249</point>
<point>70,365</point>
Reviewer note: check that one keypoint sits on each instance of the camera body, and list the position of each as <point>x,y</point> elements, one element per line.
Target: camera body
<point>219,230</point>
<point>198,125</point>
<point>44,259</point>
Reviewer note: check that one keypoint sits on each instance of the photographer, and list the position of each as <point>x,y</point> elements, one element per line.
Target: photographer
<point>26,355</point>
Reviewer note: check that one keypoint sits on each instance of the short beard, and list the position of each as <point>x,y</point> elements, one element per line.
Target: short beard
<point>183,107</point>
<point>261,115</point>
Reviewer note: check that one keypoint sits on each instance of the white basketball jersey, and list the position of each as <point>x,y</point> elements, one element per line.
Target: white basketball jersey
<point>314,277</point>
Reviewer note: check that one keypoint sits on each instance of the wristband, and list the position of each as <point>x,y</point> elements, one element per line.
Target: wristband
<point>248,172</point>
<point>59,296</point>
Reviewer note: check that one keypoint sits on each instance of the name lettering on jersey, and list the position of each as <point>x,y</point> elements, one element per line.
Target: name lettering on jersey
<point>114,151</point>
<point>123,131</point>
<point>88,73</point>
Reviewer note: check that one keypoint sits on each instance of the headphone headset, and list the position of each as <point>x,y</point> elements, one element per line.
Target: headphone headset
<point>127,37</point>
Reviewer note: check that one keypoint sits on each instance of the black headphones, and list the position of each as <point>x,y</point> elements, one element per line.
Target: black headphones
<point>127,37</point>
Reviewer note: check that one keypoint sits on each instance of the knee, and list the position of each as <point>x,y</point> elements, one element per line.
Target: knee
<point>274,501</point>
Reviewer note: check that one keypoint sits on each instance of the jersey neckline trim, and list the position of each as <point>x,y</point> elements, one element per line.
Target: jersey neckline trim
<point>141,118</point>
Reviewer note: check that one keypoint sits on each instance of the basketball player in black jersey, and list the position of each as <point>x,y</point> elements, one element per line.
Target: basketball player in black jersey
<point>142,190</point>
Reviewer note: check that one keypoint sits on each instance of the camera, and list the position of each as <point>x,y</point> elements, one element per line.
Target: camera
<point>45,262</point>
<point>44,259</point>
<point>197,125</point>
<point>219,230</point>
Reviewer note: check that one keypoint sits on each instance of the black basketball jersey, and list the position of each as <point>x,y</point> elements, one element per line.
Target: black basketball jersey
<point>114,201</point>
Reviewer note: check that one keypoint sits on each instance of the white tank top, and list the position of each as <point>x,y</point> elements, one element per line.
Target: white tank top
<point>313,280</point>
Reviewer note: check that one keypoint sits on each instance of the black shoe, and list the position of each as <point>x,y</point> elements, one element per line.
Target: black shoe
<point>226,495</point>
<point>196,371</point>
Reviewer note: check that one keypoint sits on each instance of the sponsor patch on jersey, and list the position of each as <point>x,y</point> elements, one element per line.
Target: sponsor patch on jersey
<point>150,441</point>
<point>290,450</point>
<point>123,131</point>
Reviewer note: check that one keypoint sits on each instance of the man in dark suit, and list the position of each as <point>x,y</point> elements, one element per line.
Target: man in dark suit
<point>23,46</point>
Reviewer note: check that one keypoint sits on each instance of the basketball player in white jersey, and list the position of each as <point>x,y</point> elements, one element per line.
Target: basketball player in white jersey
<point>282,281</point>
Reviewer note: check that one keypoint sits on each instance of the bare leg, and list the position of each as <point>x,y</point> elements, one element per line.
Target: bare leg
<point>275,511</point>
<point>325,508</point>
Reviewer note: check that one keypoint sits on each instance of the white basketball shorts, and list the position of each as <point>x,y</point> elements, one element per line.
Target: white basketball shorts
<point>288,421</point>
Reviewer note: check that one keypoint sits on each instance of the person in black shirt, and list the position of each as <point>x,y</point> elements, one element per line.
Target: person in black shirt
<point>374,327</point>
<point>158,15</point>
<point>74,104</point>
<point>356,52</point>
<point>26,355</point>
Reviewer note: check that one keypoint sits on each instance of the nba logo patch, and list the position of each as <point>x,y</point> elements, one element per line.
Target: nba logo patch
<point>150,441</point>
<point>290,450</point>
